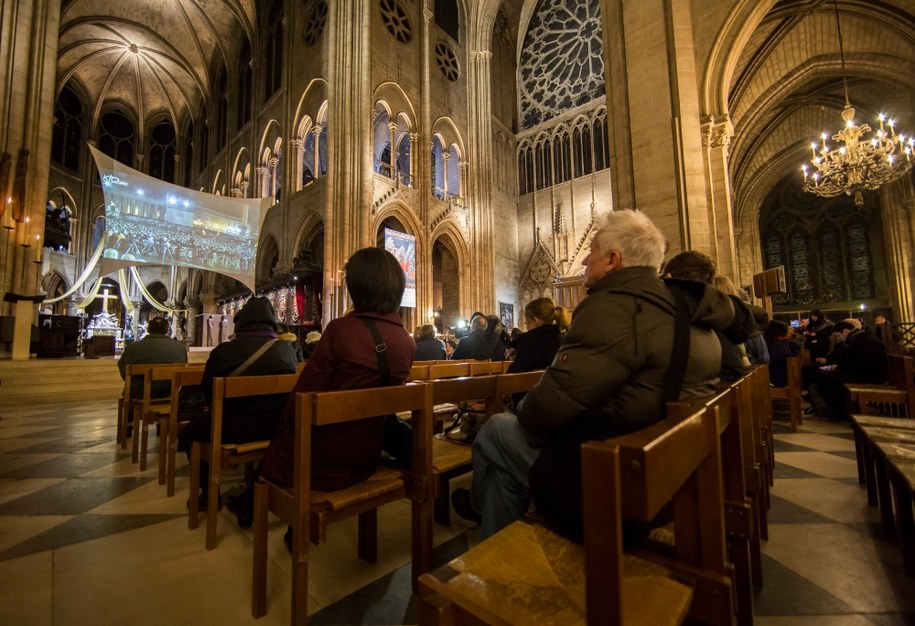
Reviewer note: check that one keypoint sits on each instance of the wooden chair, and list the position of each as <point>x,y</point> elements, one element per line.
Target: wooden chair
<point>449,458</point>
<point>153,410</point>
<point>128,406</point>
<point>309,512</point>
<point>229,454</point>
<point>792,392</point>
<point>527,574</point>
<point>191,375</point>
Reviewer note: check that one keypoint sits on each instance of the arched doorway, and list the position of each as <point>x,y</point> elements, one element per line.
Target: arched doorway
<point>445,287</point>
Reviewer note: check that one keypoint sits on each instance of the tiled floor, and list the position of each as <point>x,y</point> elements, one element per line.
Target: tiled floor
<point>85,538</point>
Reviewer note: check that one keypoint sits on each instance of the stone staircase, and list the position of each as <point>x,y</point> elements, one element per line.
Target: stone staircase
<point>50,381</point>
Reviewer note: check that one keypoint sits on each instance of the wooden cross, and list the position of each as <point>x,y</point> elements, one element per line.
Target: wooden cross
<point>105,298</point>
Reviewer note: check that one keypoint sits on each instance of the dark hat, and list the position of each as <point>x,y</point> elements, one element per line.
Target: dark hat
<point>257,314</point>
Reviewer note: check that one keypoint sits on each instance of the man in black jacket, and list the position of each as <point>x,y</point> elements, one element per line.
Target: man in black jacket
<point>859,357</point>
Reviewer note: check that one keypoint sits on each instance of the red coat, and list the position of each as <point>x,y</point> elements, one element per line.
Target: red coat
<point>345,358</point>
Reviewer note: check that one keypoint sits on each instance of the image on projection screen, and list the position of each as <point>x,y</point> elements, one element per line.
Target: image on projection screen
<point>150,222</point>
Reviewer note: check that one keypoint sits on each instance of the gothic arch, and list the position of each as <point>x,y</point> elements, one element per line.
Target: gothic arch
<point>268,255</point>
<point>405,216</point>
<point>449,135</point>
<point>310,224</point>
<point>396,101</point>
<point>314,98</point>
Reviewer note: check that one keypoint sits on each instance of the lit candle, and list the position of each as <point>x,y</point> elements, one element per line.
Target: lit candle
<point>825,149</point>
<point>881,118</point>
<point>813,147</point>
<point>25,233</point>
<point>38,248</point>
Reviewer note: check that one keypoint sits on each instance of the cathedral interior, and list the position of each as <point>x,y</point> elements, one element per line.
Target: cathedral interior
<point>491,134</point>
<point>494,132</point>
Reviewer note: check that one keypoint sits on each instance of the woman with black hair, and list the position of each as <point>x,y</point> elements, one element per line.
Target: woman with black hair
<point>345,358</point>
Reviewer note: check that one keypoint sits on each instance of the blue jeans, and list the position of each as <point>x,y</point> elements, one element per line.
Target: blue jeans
<point>502,457</point>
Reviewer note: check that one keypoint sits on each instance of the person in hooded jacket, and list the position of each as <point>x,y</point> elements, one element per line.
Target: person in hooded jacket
<point>244,419</point>
<point>693,265</point>
<point>818,335</point>
<point>607,379</point>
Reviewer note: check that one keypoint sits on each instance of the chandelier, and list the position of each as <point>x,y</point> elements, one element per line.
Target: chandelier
<point>857,163</point>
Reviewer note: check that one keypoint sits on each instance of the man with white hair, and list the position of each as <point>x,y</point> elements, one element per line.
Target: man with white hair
<point>607,379</point>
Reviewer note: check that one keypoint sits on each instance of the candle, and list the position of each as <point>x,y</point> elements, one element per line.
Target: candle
<point>38,248</point>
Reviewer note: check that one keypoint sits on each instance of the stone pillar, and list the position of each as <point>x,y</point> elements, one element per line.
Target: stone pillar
<point>897,203</point>
<point>716,137</point>
<point>414,157</point>
<point>479,187</point>
<point>28,69</point>
<point>263,173</point>
<point>316,131</point>
<point>348,222</point>
<point>653,117</point>
<point>446,157</point>
<point>392,126</point>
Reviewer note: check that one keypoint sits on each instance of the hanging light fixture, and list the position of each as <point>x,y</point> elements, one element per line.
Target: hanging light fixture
<point>857,163</point>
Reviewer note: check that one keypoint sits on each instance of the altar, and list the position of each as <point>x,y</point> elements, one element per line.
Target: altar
<point>103,334</point>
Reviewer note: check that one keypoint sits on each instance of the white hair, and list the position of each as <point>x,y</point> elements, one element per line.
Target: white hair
<point>634,235</point>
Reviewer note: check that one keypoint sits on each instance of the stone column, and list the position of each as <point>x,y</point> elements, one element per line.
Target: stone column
<point>348,223</point>
<point>716,137</point>
<point>653,117</point>
<point>414,157</point>
<point>263,174</point>
<point>446,157</point>
<point>481,290</point>
<point>28,69</point>
<point>316,131</point>
<point>392,126</point>
<point>897,203</point>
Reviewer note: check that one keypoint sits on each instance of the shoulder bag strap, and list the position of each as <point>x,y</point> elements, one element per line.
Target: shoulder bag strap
<point>251,359</point>
<point>676,371</point>
<point>381,352</point>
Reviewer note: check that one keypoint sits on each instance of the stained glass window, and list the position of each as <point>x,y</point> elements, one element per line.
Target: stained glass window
<point>860,262</point>
<point>802,283</point>
<point>832,278</point>
<point>561,64</point>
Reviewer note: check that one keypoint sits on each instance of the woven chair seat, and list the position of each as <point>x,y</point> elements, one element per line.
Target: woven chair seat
<point>526,574</point>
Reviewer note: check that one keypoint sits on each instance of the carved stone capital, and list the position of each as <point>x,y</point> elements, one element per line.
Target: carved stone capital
<point>480,55</point>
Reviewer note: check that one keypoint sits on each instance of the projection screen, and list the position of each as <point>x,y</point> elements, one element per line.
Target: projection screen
<point>150,222</point>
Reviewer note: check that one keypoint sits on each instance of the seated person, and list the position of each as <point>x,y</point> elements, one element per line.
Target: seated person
<point>155,347</point>
<point>476,345</point>
<point>858,357</point>
<point>780,346</point>
<point>345,358</point>
<point>608,378</point>
<point>428,346</point>
<point>244,419</point>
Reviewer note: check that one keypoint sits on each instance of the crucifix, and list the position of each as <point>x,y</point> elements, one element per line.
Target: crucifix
<point>105,298</point>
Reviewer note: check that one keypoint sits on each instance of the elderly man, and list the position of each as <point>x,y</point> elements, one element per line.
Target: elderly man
<point>476,344</point>
<point>607,379</point>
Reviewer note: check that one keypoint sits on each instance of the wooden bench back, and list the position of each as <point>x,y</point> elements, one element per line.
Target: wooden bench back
<point>454,390</point>
<point>635,476</point>
<point>229,387</point>
<point>518,382</point>
<point>448,370</point>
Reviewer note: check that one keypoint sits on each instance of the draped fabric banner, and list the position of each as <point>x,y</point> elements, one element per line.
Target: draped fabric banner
<point>83,277</point>
<point>150,298</point>
<point>122,281</point>
<point>150,222</point>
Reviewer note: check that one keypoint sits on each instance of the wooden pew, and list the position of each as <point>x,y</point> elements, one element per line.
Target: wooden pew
<point>309,512</point>
<point>899,391</point>
<point>228,454</point>
<point>527,574</point>
<point>902,477</point>
<point>792,392</point>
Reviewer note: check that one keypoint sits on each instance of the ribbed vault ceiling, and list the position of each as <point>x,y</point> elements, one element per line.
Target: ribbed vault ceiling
<point>156,57</point>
